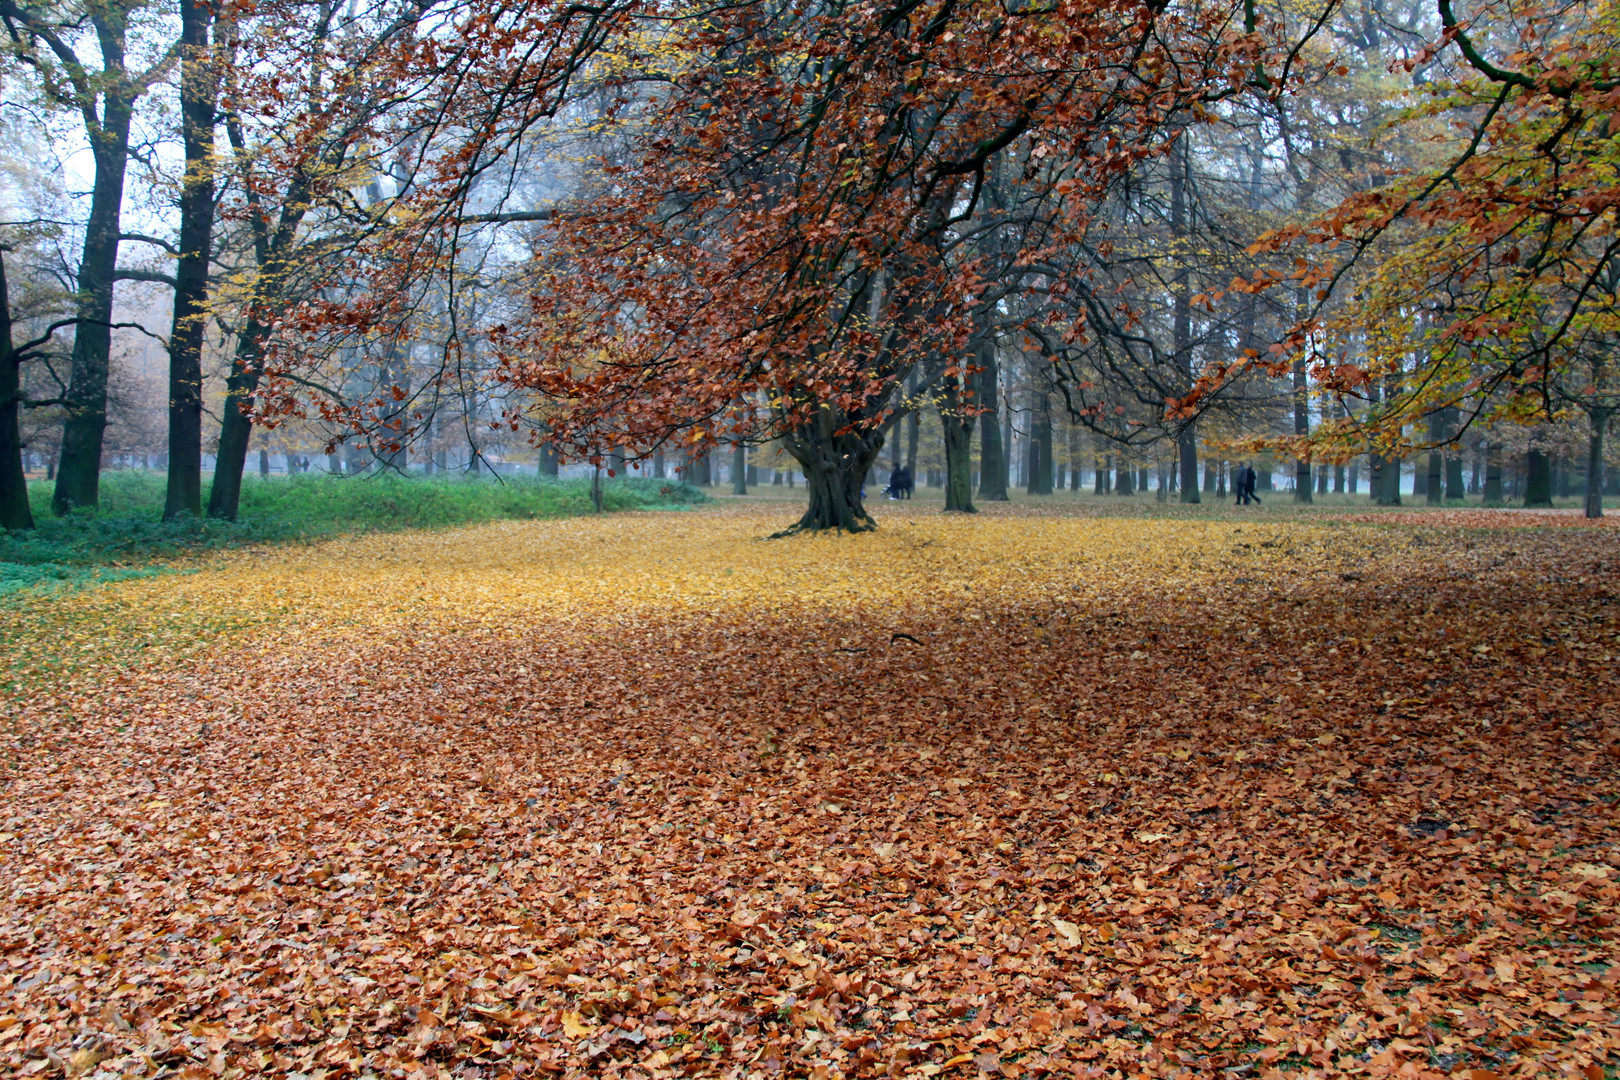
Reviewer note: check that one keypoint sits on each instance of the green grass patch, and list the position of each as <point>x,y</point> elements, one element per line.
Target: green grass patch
<point>127,529</point>
<point>46,577</point>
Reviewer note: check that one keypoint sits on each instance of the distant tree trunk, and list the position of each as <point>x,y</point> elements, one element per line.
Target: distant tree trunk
<point>1220,481</point>
<point>1302,430</point>
<point>1181,323</point>
<point>957,424</point>
<point>1454,464</point>
<point>835,465</point>
<point>1102,469</point>
<point>1142,479</point>
<point>264,462</point>
<point>1561,482</point>
<point>548,459</point>
<point>739,469</point>
<point>1032,459</point>
<point>1043,440</point>
<point>1538,479</point>
<point>1598,417</point>
<point>1125,480</point>
<point>1321,479</point>
<point>1391,478</point>
<point>992,451</point>
<point>913,426</point>
<point>1492,493</point>
<point>1210,470</point>
<point>658,465</point>
<point>15,513</point>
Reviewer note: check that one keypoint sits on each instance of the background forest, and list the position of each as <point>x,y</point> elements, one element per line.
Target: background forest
<point>1367,246</point>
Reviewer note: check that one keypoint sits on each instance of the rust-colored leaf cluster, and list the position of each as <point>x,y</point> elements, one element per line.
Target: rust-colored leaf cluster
<point>647,796</point>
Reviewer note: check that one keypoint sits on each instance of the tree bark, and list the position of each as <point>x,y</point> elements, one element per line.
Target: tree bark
<point>15,513</point>
<point>739,469</point>
<point>1041,459</point>
<point>1181,332</point>
<point>957,425</point>
<point>198,81</point>
<point>1599,419</point>
<point>1493,495</point>
<point>1538,479</point>
<point>1302,429</point>
<point>78,478</point>
<point>835,466</point>
<point>992,451</point>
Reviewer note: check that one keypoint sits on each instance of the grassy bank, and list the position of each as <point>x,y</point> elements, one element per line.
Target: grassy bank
<point>127,531</point>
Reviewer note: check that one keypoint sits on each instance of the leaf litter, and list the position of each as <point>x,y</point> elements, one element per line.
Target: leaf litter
<point>1005,796</point>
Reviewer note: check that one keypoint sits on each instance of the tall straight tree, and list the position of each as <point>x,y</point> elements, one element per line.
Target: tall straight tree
<point>45,38</point>
<point>992,450</point>
<point>15,512</point>
<point>199,81</point>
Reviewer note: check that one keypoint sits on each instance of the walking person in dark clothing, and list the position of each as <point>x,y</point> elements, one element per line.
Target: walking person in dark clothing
<point>1240,484</point>
<point>1249,479</point>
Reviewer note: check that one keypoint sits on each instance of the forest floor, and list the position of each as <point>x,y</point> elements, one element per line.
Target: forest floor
<point>1029,793</point>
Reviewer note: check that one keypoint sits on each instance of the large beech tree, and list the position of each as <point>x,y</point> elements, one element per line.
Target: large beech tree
<point>771,249</point>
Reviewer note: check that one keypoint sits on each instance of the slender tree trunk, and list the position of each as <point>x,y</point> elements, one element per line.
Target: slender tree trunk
<point>272,251</point>
<point>236,425</point>
<point>78,479</point>
<point>198,81</point>
<point>957,426</point>
<point>1181,339</point>
<point>1302,430</point>
<point>15,513</point>
<point>1598,417</point>
<point>548,459</point>
<point>658,465</point>
<point>992,451</point>
<point>739,469</point>
<point>913,425</point>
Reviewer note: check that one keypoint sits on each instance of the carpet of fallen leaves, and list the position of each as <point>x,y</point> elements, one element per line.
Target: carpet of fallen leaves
<point>649,796</point>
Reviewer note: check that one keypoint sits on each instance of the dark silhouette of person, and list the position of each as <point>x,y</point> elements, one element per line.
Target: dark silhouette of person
<point>900,484</point>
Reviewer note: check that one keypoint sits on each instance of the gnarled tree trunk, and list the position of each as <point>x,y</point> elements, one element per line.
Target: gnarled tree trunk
<point>835,465</point>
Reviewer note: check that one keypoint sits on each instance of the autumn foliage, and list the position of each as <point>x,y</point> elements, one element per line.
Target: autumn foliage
<point>645,796</point>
